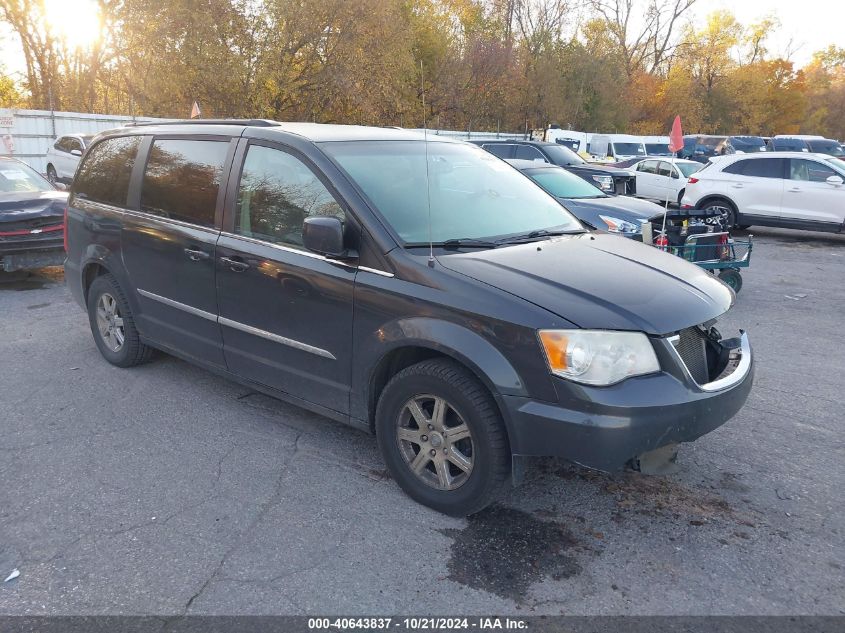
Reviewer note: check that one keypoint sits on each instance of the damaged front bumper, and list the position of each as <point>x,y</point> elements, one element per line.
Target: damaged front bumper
<point>605,427</point>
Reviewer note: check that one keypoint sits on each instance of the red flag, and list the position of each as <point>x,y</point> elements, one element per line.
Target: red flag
<point>195,111</point>
<point>676,138</point>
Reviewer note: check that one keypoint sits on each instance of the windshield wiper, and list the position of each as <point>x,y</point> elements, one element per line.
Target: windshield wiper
<point>534,235</point>
<point>467,241</point>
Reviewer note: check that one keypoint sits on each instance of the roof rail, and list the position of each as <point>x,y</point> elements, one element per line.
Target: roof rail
<point>250,122</point>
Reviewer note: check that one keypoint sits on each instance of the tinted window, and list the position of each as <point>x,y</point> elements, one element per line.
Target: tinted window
<point>763,168</point>
<point>276,194</point>
<point>564,184</point>
<point>182,179</point>
<point>105,172</point>
<point>74,143</point>
<point>502,150</point>
<point>526,152</point>
<point>665,169</point>
<point>809,170</point>
<point>62,145</point>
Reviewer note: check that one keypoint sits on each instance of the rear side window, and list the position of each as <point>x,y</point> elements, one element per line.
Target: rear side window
<point>104,174</point>
<point>526,152</point>
<point>182,179</point>
<point>762,168</point>
<point>502,150</point>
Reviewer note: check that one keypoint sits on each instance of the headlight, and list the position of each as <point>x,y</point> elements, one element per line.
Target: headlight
<point>615,225</point>
<point>596,357</point>
<point>605,183</point>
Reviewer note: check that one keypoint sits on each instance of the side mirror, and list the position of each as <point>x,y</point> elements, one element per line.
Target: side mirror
<point>60,186</point>
<point>76,152</point>
<point>324,235</point>
<point>675,175</point>
<point>836,181</point>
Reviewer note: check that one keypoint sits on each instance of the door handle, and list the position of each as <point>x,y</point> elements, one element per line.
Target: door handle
<point>794,190</point>
<point>737,185</point>
<point>196,255</point>
<point>235,265</point>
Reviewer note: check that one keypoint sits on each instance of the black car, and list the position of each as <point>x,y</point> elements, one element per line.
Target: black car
<point>31,218</point>
<point>742,145</point>
<point>787,144</point>
<point>615,214</point>
<point>826,146</point>
<point>702,147</point>
<point>608,179</point>
<point>424,291</point>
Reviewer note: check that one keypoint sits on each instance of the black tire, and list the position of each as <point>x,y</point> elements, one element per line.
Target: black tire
<point>732,277</point>
<point>52,176</point>
<point>470,404</point>
<point>131,351</point>
<point>726,207</point>
<point>680,197</point>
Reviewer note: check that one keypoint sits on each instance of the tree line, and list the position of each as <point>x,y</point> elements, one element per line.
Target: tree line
<point>511,65</point>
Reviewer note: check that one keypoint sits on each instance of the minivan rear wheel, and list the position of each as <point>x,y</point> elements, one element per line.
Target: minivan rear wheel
<point>113,326</point>
<point>442,437</point>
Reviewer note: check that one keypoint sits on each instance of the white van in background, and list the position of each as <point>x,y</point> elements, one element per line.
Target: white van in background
<point>617,146</point>
<point>657,145</point>
<point>578,142</point>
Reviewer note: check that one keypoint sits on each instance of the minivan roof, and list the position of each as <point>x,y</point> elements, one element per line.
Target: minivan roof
<point>315,132</point>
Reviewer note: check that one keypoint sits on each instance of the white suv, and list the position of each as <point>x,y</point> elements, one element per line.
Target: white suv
<point>794,190</point>
<point>63,156</point>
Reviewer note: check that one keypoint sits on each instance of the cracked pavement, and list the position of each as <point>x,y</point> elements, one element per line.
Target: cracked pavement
<point>167,490</point>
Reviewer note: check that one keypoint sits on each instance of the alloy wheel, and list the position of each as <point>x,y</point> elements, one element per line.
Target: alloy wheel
<point>435,442</point>
<point>110,322</point>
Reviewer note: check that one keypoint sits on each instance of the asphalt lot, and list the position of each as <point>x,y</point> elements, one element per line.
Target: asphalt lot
<point>166,490</point>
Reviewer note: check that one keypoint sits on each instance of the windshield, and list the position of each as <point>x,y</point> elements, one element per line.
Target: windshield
<point>789,145</point>
<point>628,149</point>
<point>831,148</point>
<point>657,149</point>
<point>562,184</point>
<point>15,177</point>
<point>748,144</point>
<point>473,194</point>
<point>688,169</point>
<point>563,155</point>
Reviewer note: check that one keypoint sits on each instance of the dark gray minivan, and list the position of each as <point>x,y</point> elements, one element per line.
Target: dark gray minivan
<point>425,291</point>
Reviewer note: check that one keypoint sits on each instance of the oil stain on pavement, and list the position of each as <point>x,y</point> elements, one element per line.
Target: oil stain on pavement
<point>504,551</point>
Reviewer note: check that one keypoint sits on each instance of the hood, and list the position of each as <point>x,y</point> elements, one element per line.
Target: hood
<point>17,206</point>
<point>622,207</point>
<point>601,281</point>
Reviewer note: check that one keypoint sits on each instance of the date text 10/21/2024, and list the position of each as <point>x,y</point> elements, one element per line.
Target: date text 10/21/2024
<point>417,624</point>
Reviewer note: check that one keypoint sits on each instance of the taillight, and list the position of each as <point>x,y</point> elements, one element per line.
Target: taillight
<point>64,228</point>
<point>692,180</point>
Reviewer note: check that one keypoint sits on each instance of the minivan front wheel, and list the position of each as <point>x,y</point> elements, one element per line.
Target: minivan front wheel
<point>442,437</point>
<point>113,326</point>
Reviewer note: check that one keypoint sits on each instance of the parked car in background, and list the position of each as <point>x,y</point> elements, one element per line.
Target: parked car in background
<point>701,147</point>
<point>617,147</point>
<point>742,145</point>
<point>416,288</point>
<point>608,179</point>
<point>63,156</point>
<point>657,145</point>
<point>826,146</point>
<point>662,180</point>
<point>624,215</point>
<point>31,218</point>
<point>795,190</point>
<point>787,144</point>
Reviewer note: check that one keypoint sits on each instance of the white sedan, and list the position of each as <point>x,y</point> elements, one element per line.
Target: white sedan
<point>658,179</point>
<point>796,190</point>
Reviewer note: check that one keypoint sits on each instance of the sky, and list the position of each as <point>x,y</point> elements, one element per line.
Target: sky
<point>806,26</point>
